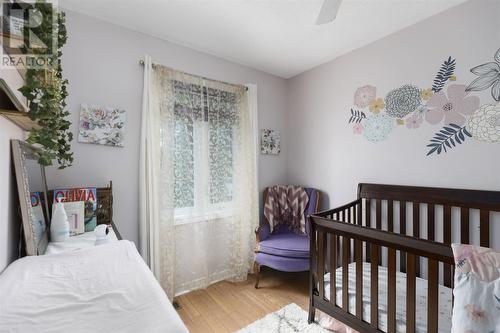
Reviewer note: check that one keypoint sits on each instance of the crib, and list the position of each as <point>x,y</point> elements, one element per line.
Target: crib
<point>405,233</point>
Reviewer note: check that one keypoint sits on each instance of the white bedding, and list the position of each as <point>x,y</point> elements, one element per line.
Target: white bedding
<point>105,288</point>
<point>78,242</point>
<point>445,304</point>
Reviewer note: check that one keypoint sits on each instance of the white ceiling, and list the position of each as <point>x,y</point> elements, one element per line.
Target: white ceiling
<point>276,36</point>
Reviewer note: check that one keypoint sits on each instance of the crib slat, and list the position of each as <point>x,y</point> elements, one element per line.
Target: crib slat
<point>464,225</point>
<point>484,226</point>
<point>391,291</point>
<point>360,213</point>
<point>447,240</point>
<point>430,222</point>
<point>416,230</point>
<point>378,210</point>
<point>368,220</point>
<point>321,264</point>
<point>432,297</point>
<point>416,219</point>
<point>358,255</point>
<point>402,231</point>
<point>348,215</point>
<point>333,268</point>
<point>345,272</point>
<point>390,216</point>
<point>374,286</point>
<point>410,294</point>
<point>341,218</point>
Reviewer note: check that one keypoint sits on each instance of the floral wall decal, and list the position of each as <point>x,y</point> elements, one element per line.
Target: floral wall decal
<point>484,124</point>
<point>377,127</point>
<point>402,101</point>
<point>452,107</point>
<point>356,116</point>
<point>444,74</point>
<point>489,76</point>
<point>450,104</point>
<point>364,95</point>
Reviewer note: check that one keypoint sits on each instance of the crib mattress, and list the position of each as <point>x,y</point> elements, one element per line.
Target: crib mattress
<point>445,299</point>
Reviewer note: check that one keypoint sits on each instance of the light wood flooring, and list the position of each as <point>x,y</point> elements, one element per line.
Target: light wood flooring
<point>227,306</point>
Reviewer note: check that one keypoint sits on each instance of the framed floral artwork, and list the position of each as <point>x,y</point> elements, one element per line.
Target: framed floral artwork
<point>101,125</point>
<point>270,142</point>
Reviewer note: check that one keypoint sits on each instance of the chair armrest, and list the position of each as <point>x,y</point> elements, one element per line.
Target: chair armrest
<point>262,232</point>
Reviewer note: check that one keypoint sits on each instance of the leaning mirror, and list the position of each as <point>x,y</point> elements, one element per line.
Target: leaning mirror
<point>32,189</point>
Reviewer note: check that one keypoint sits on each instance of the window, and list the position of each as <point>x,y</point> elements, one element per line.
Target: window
<point>204,139</point>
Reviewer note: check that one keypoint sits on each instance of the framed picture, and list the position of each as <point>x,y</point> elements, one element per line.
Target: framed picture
<point>270,142</point>
<point>101,125</point>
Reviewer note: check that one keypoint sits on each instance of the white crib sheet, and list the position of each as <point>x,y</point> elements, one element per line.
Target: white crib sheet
<point>445,299</point>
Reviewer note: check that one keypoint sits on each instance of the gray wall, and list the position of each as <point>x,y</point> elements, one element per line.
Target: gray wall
<point>101,63</point>
<point>335,159</point>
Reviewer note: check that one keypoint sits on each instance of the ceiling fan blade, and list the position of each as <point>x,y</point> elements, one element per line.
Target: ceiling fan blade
<point>328,11</point>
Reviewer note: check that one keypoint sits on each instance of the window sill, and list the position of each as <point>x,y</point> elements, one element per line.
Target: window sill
<point>188,219</point>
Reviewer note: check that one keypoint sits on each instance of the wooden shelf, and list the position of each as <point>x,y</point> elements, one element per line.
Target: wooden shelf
<point>21,119</point>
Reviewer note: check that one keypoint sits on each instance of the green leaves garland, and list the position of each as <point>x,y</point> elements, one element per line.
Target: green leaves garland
<point>45,90</point>
<point>445,72</point>
<point>449,136</point>
<point>356,116</point>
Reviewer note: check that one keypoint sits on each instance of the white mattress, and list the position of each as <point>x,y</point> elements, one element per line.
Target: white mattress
<point>445,299</point>
<point>105,288</point>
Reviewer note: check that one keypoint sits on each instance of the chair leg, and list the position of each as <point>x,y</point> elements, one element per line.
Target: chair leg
<point>256,269</point>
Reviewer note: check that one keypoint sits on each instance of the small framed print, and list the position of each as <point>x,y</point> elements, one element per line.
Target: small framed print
<point>270,142</point>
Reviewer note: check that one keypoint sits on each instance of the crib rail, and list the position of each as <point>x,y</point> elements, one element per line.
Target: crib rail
<point>327,234</point>
<point>406,229</point>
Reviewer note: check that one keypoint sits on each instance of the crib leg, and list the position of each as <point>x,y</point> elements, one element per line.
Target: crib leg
<point>257,274</point>
<point>312,314</point>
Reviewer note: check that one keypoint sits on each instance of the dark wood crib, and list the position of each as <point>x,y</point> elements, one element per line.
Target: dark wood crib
<point>403,228</point>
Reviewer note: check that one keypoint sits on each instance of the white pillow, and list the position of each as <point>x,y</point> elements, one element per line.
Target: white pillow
<point>476,308</point>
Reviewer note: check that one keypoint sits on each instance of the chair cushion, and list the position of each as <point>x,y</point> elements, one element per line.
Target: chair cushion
<point>286,244</point>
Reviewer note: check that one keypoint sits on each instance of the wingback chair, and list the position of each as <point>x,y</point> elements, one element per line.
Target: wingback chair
<point>282,249</point>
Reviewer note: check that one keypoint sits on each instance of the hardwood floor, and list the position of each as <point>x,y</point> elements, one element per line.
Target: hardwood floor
<point>227,306</point>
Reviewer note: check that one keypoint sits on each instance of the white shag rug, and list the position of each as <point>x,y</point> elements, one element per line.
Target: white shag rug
<point>289,319</point>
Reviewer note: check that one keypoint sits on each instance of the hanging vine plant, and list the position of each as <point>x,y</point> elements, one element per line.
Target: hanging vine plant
<point>45,90</point>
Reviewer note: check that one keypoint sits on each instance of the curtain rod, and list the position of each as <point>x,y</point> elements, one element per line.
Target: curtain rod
<point>141,62</point>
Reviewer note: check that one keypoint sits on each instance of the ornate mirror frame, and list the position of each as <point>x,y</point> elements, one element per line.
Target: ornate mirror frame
<point>22,152</point>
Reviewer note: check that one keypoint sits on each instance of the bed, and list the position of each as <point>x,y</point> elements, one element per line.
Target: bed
<point>391,253</point>
<point>106,288</point>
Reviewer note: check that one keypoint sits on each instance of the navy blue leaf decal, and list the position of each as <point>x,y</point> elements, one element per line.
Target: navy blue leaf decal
<point>445,72</point>
<point>356,116</point>
<point>449,136</point>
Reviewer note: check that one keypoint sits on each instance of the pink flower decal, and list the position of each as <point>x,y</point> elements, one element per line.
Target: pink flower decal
<point>364,95</point>
<point>414,121</point>
<point>357,128</point>
<point>453,107</point>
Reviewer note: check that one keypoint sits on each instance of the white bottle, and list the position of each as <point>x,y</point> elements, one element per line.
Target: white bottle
<point>59,226</point>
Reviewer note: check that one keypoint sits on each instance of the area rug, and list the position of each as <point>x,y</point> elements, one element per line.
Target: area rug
<point>289,319</point>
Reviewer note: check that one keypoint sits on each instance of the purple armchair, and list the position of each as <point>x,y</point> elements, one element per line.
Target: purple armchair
<point>284,250</point>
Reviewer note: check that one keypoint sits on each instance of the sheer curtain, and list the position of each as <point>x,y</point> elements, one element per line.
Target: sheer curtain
<point>199,197</point>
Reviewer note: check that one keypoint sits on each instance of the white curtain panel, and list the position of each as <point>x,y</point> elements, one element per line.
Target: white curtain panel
<point>148,173</point>
<point>199,196</point>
